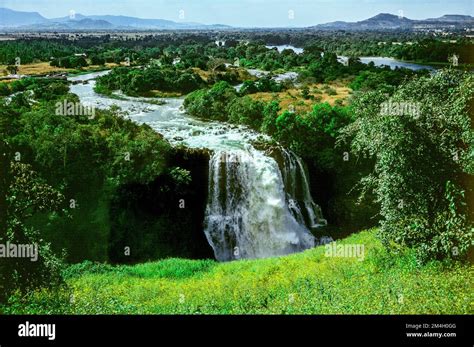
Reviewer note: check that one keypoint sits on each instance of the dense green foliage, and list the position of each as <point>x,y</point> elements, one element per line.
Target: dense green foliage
<point>386,81</point>
<point>42,89</point>
<point>72,62</point>
<point>312,135</point>
<point>211,103</point>
<point>223,102</point>
<point>30,51</point>
<point>66,169</point>
<point>432,50</point>
<point>142,81</point>
<point>195,50</point>
<point>246,111</point>
<point>264,84</point>
<point>423,161</point>
<point>27,195</point>
<point>402,45</point>
<point>328,68</point>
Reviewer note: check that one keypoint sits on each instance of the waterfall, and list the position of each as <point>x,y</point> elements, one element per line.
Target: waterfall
<point>298,192</point>
<point>259,204</point>
<point>253,211</point>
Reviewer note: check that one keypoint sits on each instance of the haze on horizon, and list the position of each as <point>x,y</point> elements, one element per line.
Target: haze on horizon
<point>246,13</point>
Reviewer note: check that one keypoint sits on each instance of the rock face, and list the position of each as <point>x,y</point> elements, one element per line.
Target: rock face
<point>160,219</point>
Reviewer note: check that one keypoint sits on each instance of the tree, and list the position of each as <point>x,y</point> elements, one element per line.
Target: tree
<point>28,195</point>
<point>214,65</point>
<point>77,62</point>
<point>246,111</point>
<point>423,162</point>
<point>5,152</point>
<point>187,82</point>
<point>248,87</point>
<point>328,119</point>
<point>211,103</point>
<point>97,60</point>
<point>270,115</point>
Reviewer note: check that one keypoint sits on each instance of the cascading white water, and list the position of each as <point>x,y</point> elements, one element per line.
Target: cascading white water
<point>298,191</point>
<point>248,213</point>
<point>258,206</point>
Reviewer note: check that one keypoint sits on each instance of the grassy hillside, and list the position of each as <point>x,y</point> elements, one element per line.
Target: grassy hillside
<point>306,283</point>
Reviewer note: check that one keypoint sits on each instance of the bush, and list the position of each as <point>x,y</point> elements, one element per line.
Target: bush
<point>331,91</point>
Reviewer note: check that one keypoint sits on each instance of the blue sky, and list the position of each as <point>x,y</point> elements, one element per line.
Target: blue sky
<point>247,13</point>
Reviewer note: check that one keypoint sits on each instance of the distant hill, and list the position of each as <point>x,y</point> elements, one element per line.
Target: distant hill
<point>125,22</point>
<point>451,18</point>
<point>88,23</point>
<point>387,21</point>
<point>82,24</point>
<point>17,20</point>
<point>10,18</point>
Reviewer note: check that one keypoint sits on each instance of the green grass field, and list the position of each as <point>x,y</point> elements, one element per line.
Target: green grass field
<point>305,283</point>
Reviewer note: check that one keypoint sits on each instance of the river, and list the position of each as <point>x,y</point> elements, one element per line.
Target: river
<point>394,63</point>
<point>378,61</point>
<point>259,201</point>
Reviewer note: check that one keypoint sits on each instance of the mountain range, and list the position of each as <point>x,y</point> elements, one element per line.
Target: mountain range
<point>17,20</point>
<point>384,21</point>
